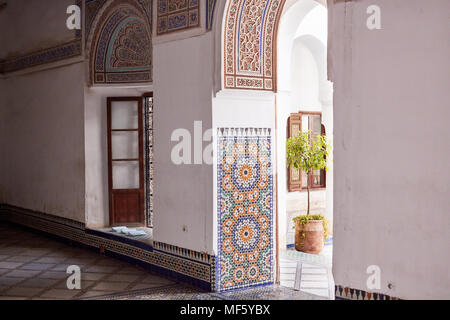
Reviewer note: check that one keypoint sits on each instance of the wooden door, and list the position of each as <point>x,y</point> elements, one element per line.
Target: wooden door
<point>125,161</point>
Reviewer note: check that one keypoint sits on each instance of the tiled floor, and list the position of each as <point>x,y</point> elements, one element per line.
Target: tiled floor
<point>308,273</point>
<point>33,266</point>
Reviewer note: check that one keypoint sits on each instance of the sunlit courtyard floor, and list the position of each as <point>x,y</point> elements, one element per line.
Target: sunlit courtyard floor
<point>308,273</point>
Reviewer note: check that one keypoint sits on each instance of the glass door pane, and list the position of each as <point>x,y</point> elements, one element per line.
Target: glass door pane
<point>317,177</point>
<point>125,174</point>
<point>124,145</point>
<point>124,115</point>
<point>317,125</point>
<point>305,123</point>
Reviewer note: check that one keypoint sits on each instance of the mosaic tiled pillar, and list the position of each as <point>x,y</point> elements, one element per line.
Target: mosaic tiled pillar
<point>245,209</point>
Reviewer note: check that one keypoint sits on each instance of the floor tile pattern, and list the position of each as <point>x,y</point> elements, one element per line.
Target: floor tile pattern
<point>180,292</point>
<point>33,267</point>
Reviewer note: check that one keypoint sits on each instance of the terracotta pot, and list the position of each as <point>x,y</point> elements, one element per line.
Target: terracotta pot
<point>313,241</point>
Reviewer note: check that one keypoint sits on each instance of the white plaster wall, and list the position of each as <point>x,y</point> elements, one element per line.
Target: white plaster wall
<point>96,149</point>
<point>33,25</point>
<point>42,144</point>
<point>392,150</point>
<point>182,94</point>
<point>305,79</point>
<point>294,12</point>
<point>43,129</point>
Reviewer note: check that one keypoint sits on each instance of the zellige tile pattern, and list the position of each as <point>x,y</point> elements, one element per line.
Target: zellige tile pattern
<point>245,212</point>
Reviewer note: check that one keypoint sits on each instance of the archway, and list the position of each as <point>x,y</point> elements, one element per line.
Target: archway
<point>304,103</point>
<point>253,82</point>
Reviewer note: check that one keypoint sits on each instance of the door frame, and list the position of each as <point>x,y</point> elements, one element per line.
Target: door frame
<point>148,172</point>
<point>111,190</point>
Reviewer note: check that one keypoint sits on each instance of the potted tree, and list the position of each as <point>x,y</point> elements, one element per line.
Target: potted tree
<point>309,153</point>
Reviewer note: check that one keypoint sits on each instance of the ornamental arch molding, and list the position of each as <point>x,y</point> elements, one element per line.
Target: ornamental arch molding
<point>248,36</point>
<point>119,41</point>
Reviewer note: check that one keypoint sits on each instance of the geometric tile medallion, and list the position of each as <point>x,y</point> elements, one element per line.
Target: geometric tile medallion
<point>175,15</point>
<point>245,212</point>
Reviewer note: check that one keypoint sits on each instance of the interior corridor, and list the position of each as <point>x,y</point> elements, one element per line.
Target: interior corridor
<point>33,266</point>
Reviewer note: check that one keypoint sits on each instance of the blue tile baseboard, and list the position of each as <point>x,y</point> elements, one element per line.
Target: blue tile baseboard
<point>113,237</point>
<point>181,264</point>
